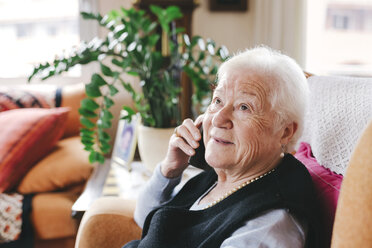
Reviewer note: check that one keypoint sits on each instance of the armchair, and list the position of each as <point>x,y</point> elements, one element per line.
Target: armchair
<point>109,222</point>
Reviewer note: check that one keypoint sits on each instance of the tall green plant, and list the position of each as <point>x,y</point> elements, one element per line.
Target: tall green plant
<point>131,47</point>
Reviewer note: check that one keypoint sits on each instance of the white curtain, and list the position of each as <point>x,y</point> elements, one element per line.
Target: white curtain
<point>281,24</point>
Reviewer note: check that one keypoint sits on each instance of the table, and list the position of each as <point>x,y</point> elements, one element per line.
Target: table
<point>111,179</point>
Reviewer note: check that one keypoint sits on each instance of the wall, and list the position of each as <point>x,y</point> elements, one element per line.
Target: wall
<point>232,29</point>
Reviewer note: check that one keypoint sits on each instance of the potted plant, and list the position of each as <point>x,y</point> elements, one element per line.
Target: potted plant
<point>131,46</point>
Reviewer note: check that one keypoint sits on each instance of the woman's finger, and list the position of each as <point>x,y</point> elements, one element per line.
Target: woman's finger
<point>199,121</point>
<point>180,143</point>
<point>194,130</point>
<point>184,132</point>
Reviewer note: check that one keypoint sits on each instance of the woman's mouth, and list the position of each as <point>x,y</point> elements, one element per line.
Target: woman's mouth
<point>222,141</point>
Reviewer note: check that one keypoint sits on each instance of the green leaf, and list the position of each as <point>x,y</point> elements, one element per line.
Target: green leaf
<point>129,110</point>
<point>97,80</point>
<point>102,135</point>
<point>113,14</point>
<point>108,102</point>
<point>131,46</point>
<point>153,39</point>
<point>180,30</point>
<point>102,123</point>
<point>105,146</point>
<point>151,27</point>
<point>156,10</point>
<point>92,90</point>
<point>96,157</point>
<point>172,13</point>
<point>89,104</point>
<point>113,90</point>
<point>87,137</point>
<point>186,39</point>
<point>87,142</point>
<point>106,70</point>
<point>201,56</point>
<point>88,148</point>
<point>87,123</point>
<point>87,113</point>
<point>194,40</point>
<point>132,73</point>
<point>88,16</point>
<point>201,44</point>
<point>84,131</point>
<point>223,52</point>
<point>107,115</point>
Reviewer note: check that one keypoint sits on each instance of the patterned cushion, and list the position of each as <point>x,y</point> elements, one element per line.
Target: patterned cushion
<point>10,217</point>
<point>340,108</point>
<point>26,136</point>
<point>29,96</point>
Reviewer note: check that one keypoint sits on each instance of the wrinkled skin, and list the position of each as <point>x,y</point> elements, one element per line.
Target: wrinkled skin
<point>240,138</point>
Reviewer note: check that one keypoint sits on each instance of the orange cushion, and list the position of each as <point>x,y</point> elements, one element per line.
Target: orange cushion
<point>65,166</point>
<point>71,97</point>
<point>26,136</point>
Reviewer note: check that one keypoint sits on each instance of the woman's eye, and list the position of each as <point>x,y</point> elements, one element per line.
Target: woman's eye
<point>244,107</point>
<point>217,101</point>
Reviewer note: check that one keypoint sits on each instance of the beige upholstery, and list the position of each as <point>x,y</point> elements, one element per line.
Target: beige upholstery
<point>353,222</point>
<point>108,223</point>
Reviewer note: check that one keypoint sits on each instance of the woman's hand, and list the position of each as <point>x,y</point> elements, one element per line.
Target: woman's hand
<point>182,145</point>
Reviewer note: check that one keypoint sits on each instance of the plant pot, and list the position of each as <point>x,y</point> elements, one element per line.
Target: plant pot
<point>153,145</point>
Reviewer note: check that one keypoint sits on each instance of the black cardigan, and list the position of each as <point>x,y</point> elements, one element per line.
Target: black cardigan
<point>174,225</point>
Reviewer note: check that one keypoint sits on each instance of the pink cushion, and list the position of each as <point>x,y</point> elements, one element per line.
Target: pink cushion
<point>327,185</point>
<point>26,136</point>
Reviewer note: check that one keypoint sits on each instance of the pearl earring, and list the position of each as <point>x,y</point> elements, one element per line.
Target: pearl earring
<point>283,151</point>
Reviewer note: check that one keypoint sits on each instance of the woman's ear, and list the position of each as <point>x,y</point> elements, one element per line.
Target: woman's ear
<point>288,133</point>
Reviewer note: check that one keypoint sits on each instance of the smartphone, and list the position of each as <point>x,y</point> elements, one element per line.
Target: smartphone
<point>198,160</point>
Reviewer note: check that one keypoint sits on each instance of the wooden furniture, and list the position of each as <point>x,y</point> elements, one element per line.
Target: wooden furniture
<point>92,191</point>
<point>187,7</point>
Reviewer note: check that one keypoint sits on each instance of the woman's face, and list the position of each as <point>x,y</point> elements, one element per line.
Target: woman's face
<point>238,124</point>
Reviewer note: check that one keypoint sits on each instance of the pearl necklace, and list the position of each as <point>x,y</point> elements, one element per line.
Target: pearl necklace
<point>236,189</point>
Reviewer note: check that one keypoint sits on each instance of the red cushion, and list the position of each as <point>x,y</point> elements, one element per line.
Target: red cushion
<point>26,136</point>
<point>327,185</point>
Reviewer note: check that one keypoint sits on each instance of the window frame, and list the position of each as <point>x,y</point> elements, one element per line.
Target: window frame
<point>87,31</point>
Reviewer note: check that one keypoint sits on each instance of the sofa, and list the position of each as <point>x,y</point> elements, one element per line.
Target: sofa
<point>42,159</point>
<point>336,148</point>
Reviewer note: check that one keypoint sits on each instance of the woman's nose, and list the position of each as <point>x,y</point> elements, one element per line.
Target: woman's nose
<point>222,118</point>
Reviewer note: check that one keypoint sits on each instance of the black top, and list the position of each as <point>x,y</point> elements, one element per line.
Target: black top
<point>174,225</point>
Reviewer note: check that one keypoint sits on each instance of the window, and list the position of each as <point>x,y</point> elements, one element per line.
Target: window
<point>339,37</point>
<point>35,31</point>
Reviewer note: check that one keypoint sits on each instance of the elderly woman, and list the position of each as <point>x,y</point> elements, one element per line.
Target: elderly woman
<point>257,194</point>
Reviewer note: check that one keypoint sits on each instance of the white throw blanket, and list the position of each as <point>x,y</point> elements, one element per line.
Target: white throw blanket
<point>339,110</point>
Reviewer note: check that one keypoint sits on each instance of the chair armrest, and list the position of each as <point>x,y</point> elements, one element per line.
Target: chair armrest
<point>353,221</point>
<point>108,223</point>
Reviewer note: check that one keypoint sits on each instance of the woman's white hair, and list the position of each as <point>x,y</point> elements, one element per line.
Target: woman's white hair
<point>289,91</point>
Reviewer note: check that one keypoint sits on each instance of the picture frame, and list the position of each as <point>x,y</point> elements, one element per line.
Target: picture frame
<point>125,141</point>
<point>228,5</point>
